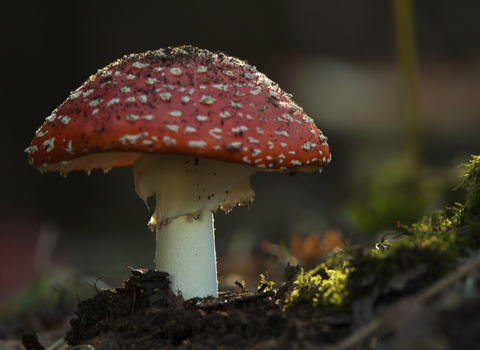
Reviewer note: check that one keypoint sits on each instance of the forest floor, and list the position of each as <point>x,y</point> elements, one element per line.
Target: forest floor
<point>419,291</point>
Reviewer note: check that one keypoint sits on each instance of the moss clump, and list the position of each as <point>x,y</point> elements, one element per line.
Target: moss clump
<point>407,267</point>
<point>323,287</point>
<point>467,216</point>
<point>425,252</point>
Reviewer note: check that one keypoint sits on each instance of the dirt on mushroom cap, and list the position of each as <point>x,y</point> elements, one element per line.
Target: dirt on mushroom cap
<point>180,100</point>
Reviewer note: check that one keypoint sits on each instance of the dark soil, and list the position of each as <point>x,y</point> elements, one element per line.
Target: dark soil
<point>144,314</point>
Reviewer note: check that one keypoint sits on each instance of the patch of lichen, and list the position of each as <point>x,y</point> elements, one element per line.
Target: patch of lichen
<point>422,253</point>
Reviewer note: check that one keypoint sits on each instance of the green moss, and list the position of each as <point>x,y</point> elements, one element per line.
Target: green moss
<point>423,253</point>
<point>323,287</point>
<point>468,215</point>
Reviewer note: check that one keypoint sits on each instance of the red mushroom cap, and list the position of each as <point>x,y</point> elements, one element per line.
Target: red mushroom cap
<point>180,100</point>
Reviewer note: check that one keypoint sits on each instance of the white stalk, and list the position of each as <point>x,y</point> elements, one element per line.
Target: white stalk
<point>186,250</point>
<point>188,188</point>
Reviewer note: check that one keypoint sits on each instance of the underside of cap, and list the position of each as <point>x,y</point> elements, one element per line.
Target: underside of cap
<point>185,185</point>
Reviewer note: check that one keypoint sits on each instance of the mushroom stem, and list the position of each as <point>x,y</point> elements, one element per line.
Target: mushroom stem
<point>189,188</point>
<point>186,249</point>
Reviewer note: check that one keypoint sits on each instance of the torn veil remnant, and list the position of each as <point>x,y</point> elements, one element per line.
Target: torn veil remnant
<point>195,125</point>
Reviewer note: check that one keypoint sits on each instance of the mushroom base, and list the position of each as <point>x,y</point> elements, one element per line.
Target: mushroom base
<point>186,250</point>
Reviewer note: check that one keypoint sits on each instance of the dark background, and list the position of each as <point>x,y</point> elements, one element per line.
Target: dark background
<point>336,57</point>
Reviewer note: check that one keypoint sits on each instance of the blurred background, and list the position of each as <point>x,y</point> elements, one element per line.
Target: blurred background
<point>337,58</point>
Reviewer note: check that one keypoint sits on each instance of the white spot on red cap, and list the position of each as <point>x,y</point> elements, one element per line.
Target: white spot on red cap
<point>95,102</point>
<point>148,117</point>
<point>176,113</point>
<point>75,95</point>
<point>196,144</point>
<point>270,144</point>
<point>88,92</point>
<point>308,146</point>
<point>201,118</point>
<point>69,148</point>
<point>169,141</point>
<point>157,69</point>
<point>176,71</point>
<point>189,130</point>
<point>234,146</point>
<point>173,128</point>
<point>130,99</point>
<point>287,117</point>
<point>207,99</point>
<point>202,69</point>
<point>132,138</point>
<point>66,119</point>
<point>274,95</point>
<point>139,65</point>
<point>221,87</point>
<point>236,104</point>
<point>282,133</point>
<point>142,98</point>
<point>256,152</point>
<point>130,77</point>
<point>257,91</point>
<point>184,99</point>
<point>131,117</point>
<point>283,144</point>
<point>151,81</point>
<point>49,144</point>
<point>307,119</point>
<point>165,96</point>
<point>295,162</point>
<point>214,132</point>
<point>113,101</point>
<point>125,89</point>
<point>295,106</point>
<point>252,140</point>
<point>41,133</point>
<point>224,114</point>
<point>241,128</point>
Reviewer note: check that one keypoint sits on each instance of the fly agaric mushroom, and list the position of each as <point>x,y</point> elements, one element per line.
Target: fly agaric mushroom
<point>195,125</point>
